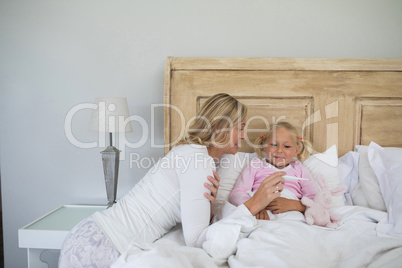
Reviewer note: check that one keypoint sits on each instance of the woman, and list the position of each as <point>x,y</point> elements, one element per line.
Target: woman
<point>171,192</point>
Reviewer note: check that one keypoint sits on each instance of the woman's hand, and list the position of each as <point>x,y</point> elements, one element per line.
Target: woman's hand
<point>281,204</point>
<point>214,191</point>
<point>270,188</point>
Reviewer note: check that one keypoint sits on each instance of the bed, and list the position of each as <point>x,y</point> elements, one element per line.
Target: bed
<point>349,109</point>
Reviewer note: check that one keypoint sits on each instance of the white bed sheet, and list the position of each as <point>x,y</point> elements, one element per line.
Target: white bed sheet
<point>168,251</point>
<point>285,242</point>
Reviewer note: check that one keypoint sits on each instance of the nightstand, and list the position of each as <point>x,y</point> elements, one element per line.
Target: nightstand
<point>48,232</point>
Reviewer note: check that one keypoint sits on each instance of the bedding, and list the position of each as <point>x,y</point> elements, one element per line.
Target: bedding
<point>387,165</point>
<point>363,238</point>
<point>285,242</point>
<point>367,193</point>
<point>288,243</point>
<point>348,174</point>
<point>337,105</point>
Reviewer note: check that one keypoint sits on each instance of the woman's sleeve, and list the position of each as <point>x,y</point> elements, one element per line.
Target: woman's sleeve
<point>244,183</point>
<point>195,207</point>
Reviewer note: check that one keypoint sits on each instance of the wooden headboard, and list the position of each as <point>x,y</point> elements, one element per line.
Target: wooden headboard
<point>331,101</point>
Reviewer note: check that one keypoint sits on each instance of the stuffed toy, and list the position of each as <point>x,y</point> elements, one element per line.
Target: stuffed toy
<point>318,210</point>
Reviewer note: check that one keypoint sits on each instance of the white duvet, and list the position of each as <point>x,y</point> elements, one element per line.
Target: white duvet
<point>284,242</point>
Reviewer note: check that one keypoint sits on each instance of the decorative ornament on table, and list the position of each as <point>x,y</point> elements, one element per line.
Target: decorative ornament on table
<point>318,209</point>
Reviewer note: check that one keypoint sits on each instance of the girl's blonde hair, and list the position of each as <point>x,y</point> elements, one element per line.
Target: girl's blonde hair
<point>213,124</point>
<point>303,145</point>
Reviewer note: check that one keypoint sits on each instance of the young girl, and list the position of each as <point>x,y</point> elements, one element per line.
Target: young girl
<point>278,150</point>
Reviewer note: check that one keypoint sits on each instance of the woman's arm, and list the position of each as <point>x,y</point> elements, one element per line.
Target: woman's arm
<point>308,188</point>
<point>195,209</point>
<point>269,189</point>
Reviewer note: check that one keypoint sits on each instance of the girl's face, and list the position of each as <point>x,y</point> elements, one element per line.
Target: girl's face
<point>280,148</point>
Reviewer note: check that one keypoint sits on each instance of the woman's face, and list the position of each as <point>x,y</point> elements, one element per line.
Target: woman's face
<point>236,137</point>
<point>280,148</point>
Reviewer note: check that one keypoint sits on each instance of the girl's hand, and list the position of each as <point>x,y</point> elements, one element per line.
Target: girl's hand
<point>281,204</point>
<point>270,188</point>
<point>214,191</point>
<point>262,215</point>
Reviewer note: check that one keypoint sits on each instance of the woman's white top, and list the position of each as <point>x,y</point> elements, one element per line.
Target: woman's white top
<point>171,192</point>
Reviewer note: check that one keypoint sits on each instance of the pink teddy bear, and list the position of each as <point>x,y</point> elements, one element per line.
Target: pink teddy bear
<point>318,210</point>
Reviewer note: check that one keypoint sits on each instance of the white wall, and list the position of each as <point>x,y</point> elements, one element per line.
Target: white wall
<point>55,55</point>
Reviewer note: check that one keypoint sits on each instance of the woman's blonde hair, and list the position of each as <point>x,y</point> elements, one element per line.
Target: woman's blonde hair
<point>302,145</point>
<point>213,124</point>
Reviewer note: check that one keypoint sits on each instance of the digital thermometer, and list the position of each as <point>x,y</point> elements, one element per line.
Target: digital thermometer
<point>292,178</point>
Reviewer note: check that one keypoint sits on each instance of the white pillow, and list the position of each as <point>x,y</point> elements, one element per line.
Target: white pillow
<point>349,174</point>
<point>230,167</point>
<point>367,193</point>
<point>249,156</point>
<point>387,165</point>
<point>326,165</point>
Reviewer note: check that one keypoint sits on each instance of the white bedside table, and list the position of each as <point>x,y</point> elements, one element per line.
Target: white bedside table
<point>49,231</point>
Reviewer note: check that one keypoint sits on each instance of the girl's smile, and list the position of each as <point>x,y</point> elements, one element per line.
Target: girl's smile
<point>280,148</point>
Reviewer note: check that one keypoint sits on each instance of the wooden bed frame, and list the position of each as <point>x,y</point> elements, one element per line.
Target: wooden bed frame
<point>331,101</point>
